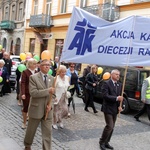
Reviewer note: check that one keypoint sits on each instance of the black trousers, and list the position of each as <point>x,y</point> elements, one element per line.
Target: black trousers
<point>89,101</point>
<point>146,108</point>
<point>108,130</point>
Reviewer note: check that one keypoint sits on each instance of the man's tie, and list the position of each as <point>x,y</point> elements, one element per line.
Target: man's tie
<point>115,86</point>
<point>45,79</point>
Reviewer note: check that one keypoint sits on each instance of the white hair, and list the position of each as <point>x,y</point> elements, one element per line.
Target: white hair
<point>114,71</point>
<point>2,61</point>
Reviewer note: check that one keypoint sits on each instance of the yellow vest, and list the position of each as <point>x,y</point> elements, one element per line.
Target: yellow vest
<point>147,96</point>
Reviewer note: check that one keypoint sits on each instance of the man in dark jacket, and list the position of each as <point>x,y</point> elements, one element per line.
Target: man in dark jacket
<point>111,90</point>
<point>8,62</point>
<point>55,66</point>
<point>8,65</point>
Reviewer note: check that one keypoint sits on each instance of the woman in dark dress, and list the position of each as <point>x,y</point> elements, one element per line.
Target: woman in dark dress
<point>5,77</point>
<point>91,83</point>
<point>31,69</point>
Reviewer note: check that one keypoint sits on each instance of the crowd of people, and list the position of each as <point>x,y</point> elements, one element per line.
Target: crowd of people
<point>45,98</point>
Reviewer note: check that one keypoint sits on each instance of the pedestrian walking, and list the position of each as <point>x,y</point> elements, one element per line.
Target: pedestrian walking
<point>4,77</point>
<point>40,88</point>
<point>86,71</point>
<point>111,90</point>
<point>25,95</point>
<point>73,75</point>
<point>55,65</point>
<point>8,65</point>
<point>145,98</point>
<point>61,100</point>
<point>91,83</point>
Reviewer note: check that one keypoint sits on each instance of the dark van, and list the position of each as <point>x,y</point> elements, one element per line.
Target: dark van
<point>132,90</point>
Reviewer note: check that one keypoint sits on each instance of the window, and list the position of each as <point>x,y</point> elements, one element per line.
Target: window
<point>6,13</point>
<point>59,47</point>
<point>32,45</point>
<point>83,3</point>
<point>20,12</point>
<point>35,7</point>
<point>109,1</point>
<point>143,75</point>
<point>63,6</point>
<point>4,43</point>
<point>131,80</point>
<point>13,12</point>
<point>18,46</point>
<point>48,7</point>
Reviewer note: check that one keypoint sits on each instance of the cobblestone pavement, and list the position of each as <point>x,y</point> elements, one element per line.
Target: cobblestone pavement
<point>81,131</point>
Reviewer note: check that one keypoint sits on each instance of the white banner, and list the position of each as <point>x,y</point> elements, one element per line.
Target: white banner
<point>93,40</point>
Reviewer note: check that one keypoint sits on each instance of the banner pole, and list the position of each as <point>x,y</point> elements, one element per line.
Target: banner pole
<point>126,68</point>
<point>123,86</point>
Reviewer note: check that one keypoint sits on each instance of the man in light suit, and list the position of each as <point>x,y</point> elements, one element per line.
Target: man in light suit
<point>40,88</point>
<point>111,90</point>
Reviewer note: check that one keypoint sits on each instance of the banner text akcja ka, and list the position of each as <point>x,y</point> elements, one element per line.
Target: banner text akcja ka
<point>92,40</point>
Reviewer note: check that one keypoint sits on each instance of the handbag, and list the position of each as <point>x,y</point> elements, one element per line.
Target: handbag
<point>68,94</point>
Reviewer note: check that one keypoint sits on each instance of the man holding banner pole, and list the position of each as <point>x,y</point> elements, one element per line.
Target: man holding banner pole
<point>41,89</point>
<point>112,98</point>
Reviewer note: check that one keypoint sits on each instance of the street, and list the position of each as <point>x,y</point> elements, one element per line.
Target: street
<point>81,131</point>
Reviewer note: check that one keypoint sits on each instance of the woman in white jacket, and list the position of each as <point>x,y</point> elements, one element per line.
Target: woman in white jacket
<point>62,95</point>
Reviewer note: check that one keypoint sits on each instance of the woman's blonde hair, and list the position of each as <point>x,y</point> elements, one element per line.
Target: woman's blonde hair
<point>30,62</point>
<point>61,68</point>
<point>93,67</point>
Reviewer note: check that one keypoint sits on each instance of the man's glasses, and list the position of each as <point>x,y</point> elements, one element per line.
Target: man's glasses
<point>45,65</point>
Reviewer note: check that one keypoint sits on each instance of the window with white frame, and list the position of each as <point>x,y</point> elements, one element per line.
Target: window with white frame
<point>63,6</point>
<point>13,10</point>
<point>7,13</point>
<point>59,47</point>
<point>32,45</point>
<point>109,1</point>
<point>20,12</point>
<point>48,7</point>
<point>35,7</point>
<point>83,3</point>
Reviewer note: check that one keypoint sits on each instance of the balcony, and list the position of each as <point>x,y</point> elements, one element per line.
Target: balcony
<point>7,25</point>
<point>107,11</point>
<point>140,1</point>
<point>40,21</point>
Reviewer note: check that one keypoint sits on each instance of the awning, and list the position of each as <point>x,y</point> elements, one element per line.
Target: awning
<point>7,25</point>
<point>3,24</point>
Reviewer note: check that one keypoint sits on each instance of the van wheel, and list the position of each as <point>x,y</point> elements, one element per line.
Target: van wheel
<point>125,106</point>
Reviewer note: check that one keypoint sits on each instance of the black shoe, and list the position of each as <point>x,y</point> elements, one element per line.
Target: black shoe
<point>95,111</point>
<point>137,118</point>
<point>86,109</point>
<point>102,147</point>
<point>108,146</point>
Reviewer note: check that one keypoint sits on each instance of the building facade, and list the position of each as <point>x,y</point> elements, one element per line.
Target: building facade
<point>134,7</point>
<point>12,17</point>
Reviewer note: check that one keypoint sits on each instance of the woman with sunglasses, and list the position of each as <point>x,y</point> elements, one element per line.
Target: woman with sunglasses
<point>73,74</point>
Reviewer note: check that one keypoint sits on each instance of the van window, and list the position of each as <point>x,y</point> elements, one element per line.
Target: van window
<point>143,75</point>
<point>131,80</point>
